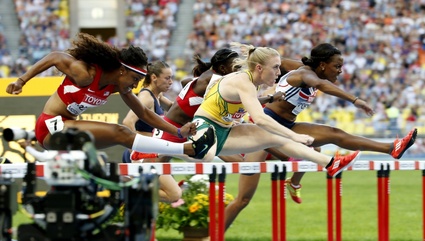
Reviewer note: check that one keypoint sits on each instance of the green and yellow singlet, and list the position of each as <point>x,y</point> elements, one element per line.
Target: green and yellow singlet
<point>223,111</point>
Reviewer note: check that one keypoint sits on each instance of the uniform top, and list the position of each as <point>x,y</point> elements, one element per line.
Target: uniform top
<point>188,100</point>
<point>141,125</point>
<point>78,99</point>
<point>223,111</point>
<point>300,97</point>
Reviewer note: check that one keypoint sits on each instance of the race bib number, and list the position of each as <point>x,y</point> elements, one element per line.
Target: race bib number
<point>54,124</point>
<point>76,109</point>
<point>300,107</point>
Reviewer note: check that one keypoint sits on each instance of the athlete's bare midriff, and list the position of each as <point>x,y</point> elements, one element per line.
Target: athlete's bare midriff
<point>205,114</point>
<point>283,109</point>
<point>55,106</point>
<point>177,115</point>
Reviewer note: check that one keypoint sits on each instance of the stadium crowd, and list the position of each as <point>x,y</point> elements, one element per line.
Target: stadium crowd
<point>382,42</point>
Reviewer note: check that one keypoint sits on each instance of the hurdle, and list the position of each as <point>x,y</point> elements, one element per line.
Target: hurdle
<point>278,171</point>
<point>278,193</point>
<point>216,212</point>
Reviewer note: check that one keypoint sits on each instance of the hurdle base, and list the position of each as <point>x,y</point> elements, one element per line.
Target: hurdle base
<point>195,234</point>
<point>196,239</point>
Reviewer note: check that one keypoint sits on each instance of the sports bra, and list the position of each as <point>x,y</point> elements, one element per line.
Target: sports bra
<point>143,126</point>
<point>188,100</point>
<point>223,111</point>
<point>300,97</point>
<point>77,99</point>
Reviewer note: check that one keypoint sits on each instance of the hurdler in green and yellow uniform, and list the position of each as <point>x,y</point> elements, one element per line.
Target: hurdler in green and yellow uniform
<point>223,112</point>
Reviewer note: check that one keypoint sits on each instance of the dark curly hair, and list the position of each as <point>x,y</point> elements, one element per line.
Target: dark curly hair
<point>91,50</point>
<point>321,53</point>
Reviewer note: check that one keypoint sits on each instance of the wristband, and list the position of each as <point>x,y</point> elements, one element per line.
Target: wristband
<point>179,133</point>
<point>271,98</point>
<point>354,101</point>
<point>23,82</point>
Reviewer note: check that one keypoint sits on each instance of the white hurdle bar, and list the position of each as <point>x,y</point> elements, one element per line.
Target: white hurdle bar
<point>176,168</point>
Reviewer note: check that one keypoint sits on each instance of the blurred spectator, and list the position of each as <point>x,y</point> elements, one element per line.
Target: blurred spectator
<point>393,115</point>
<point>150,24</point>
<point>381,41</point>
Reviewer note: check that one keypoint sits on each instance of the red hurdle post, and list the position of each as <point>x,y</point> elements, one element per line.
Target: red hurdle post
<point>278,192</point>
<point>330,206</point>
<point>383,203</point>
<point>221,192</point>
<point>338,206</point>
<point>387,202</point>
<point>380,174</point>
<point>212,211</point>
<point>282,202</point>
<point>423,203</point>
<point>275,221</point>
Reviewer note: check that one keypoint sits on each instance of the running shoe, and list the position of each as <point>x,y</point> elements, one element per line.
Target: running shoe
<point>340,163</point>
<point>400,146</point>
<point>139,156</point>
<point>204,143</point>
<point>294,192</point>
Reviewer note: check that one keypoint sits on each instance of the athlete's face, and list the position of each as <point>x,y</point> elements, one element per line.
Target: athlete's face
<point>270,71</point>
<point>332,69</point>
<point>129,80</point>
<point>164,80</point>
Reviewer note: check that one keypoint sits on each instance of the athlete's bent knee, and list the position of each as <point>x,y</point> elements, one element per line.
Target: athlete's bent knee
<point>174,195</point>
<point>123,133</point>
<point>242,202</point>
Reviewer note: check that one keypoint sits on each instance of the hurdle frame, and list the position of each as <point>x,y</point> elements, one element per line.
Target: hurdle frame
<point>177,168</point>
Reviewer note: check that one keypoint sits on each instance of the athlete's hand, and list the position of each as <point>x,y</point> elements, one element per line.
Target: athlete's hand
<point>278,96</point>
<point>361,104</point>
<point>304,139</point>
<point>14,88</point>
<point>189,129</point>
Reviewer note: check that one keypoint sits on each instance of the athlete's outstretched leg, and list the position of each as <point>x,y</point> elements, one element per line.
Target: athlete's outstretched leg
<point>247,187</point>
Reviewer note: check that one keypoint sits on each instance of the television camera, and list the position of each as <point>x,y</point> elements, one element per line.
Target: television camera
<point>71,208</point>
<point>14,134</point>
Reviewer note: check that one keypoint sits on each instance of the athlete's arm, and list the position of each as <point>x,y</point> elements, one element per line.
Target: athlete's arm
<point>152,119</point>
<point>311,79</point>
<point>247,93</point>
<point>65,63</point>
<point>290,64</point>
<point>130,120</point>
<point>270,98</point>
<point>76,70</point>
<point>165,102</point>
